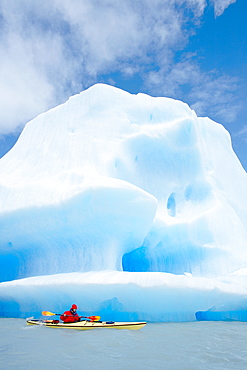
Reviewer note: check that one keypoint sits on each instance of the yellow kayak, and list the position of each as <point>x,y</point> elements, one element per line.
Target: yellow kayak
<point>87,325</point>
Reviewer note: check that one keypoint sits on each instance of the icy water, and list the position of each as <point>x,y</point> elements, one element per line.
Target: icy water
<point>173,346</point>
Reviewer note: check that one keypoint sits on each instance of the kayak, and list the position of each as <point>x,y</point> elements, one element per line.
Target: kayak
<point>87,325</point>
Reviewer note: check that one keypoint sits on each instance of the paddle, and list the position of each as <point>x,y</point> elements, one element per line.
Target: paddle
<point>92,318</point>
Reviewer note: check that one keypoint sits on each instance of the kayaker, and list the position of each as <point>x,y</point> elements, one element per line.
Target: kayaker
<point>71,315</point>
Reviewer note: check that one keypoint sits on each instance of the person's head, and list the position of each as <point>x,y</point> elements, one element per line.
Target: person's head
<point>73,308</point>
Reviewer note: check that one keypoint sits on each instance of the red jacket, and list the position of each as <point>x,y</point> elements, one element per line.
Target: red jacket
<point>69,316</point>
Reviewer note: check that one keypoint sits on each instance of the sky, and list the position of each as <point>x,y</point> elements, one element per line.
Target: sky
<point>190,50</point>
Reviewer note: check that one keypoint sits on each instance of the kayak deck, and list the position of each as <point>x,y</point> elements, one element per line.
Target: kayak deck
<point>87,325</point>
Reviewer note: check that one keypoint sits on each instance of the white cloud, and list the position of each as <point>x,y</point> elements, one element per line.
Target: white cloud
<point>242,133</point>
<point>216,96</point>
<point>221,5</point>
<point>51,49</point>
<point>208,93</point>
<point>23,92</point>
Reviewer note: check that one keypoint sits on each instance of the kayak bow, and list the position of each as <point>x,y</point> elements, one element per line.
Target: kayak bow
<point>87,325</point>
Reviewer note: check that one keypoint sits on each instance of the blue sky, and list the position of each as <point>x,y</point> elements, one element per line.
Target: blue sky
<point>191,50</point>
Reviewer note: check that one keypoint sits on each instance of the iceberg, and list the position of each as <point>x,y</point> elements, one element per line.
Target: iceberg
<point>130,206</point>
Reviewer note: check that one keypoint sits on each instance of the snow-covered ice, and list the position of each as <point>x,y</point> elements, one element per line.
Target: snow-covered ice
<point>128,205</point>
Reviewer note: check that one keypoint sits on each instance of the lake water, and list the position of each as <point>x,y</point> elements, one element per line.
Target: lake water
<point>173,346</point>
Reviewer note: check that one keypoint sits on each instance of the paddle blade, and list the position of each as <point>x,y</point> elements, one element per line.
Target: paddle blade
<point>94,318</point>
<point>47,313</point>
